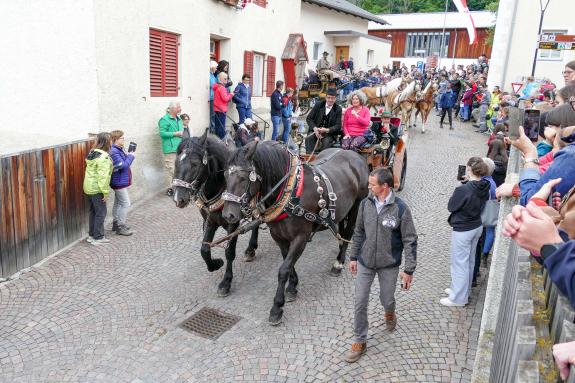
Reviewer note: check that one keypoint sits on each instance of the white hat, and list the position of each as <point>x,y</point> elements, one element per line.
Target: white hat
<point>213,64</point>
<point>248,121</point>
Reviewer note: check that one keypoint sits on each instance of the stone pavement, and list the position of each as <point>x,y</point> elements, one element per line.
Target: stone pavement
<point>111,313</point>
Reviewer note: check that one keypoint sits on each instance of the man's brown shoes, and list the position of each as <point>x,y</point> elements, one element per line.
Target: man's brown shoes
<point>390,321</point>
<point>357,350</point>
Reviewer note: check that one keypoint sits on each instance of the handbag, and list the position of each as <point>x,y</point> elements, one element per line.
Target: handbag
<point>490,213</point>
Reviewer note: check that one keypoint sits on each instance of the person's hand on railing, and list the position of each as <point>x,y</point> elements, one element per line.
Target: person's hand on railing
<point>530,227</point>
<point>564,354</point>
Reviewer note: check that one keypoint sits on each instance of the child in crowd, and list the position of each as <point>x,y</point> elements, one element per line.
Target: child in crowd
<point>247,132</point>
<point>121,181</point>
<point>97,186</point>
<point>546,145</point>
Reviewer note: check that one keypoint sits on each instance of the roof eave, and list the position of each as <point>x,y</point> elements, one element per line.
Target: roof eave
<point>375,19</point>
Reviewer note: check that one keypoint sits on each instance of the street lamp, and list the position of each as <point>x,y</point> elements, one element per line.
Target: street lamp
<point>543,9</point>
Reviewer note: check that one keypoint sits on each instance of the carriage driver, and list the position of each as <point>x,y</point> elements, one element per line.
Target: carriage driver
<point>384,230</point>
<point>324,121</point>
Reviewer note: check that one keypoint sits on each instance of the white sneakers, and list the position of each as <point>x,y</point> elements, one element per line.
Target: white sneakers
<point>97,242</point>
<point>447,291</point>
<point>449,303</point>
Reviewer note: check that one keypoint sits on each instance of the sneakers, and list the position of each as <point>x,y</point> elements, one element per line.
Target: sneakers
<point>123,230</point>
<point>449,303</point>
<point>101,241</point>
<point>447,291</point>
<point>357,350</point>
<point>90,239</point>
<point>390,321</point>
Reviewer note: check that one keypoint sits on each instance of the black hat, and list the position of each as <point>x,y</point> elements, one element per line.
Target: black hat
<point>331,92</point>
<point>325,53</point>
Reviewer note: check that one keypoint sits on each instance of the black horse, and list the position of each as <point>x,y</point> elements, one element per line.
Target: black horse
<point>258,169</point>
<point>199,174</point>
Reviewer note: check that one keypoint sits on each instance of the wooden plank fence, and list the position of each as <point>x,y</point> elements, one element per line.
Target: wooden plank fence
<point>43,205</point>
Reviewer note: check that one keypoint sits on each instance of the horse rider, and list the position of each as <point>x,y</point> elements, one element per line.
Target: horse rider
<point>324,123</point>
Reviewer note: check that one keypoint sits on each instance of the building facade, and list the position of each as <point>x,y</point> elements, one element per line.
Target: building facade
<point>417,36</point>
<point>83,66</point>
<point>515,42</point>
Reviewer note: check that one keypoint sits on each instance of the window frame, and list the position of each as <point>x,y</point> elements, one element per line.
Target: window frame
<point>370,57</point>
<point>164,36</point>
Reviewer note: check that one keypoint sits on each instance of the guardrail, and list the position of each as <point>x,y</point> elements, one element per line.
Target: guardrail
<point>508,339</point>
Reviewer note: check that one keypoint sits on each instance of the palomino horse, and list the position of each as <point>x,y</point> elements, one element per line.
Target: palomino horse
<point>199,173</point>
<point>376,94</point>
<point>425,104</point>
<point>404,102</point>
<point>325,195</point>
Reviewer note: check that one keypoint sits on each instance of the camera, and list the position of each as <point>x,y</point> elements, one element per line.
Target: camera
<point>132,147</point>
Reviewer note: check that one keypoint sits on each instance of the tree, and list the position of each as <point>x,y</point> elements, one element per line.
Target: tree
<point>418,6</point>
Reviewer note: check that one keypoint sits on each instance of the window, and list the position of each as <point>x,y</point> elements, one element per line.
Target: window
<point>551,54</point>
<point>426,44</point>
<point>163,64</point>
<point>215,50</point>
<point>370,54</point>
<point>316,50</point>
<point>258,75</point>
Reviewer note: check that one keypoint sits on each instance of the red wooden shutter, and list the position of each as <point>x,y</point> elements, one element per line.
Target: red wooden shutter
<point>155,63</point>
<point>163,63</point>
<point>249,65</point>
<point>270,75</point>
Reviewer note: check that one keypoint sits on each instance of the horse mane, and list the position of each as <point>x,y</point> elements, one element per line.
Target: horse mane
<point>392,86</point>
<point>408,91</point>
<point>270,161</point>
<point>218,152</point>
<point>427,87</point>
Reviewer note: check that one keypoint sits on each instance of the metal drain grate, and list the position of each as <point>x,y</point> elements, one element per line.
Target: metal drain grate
<point>210,323</point>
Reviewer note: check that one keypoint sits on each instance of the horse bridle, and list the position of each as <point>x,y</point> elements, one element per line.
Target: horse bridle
<point>194,186</point>
<point>245,199</point>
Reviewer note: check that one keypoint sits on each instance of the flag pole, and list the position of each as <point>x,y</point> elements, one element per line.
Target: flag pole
<point>443,36</point>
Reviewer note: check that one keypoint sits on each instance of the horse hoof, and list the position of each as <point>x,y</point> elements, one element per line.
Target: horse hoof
<point>290,296</point>
<point>223,292</point>
<point>274,321</point>
<point>249,255</point>
<point>215,265</point>
<point>335,271</point>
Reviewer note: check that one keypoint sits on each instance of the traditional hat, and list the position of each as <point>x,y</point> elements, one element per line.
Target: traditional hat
<point>386,114</point>
<point>325,53</point>
<point>331,92</point>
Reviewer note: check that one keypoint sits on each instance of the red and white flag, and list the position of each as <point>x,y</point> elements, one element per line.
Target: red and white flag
<point>464,11</point>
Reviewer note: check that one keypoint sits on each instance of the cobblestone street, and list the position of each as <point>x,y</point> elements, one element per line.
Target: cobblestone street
<point>111,313</point>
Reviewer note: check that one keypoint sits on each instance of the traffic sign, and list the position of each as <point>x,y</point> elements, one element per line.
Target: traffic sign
<point>516,86</point>
<point>420,66</point>
<point>556,45</point>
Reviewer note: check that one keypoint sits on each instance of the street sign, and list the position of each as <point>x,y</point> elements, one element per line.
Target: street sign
<point>516,86</point>
<point>557,38</point>
<point>556,45</point>
<point>420,66</point>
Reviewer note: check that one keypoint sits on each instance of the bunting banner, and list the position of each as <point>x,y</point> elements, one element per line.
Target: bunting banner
<point>464,11</point>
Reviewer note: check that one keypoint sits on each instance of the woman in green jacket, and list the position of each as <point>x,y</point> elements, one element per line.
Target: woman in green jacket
<point>97,186</point>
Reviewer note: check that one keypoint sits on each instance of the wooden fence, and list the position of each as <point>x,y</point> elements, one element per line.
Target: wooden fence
<point>43,205</point>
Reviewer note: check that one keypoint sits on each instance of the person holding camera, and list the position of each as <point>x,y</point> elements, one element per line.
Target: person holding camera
<point>120,182</point>
<point>384,230</point>
<point>465,206</point>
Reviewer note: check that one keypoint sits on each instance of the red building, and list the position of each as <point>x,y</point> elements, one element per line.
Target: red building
<point>417,36</point>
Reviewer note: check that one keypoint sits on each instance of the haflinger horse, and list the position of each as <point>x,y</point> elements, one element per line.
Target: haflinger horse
<point>199,176</point>
<point>425,104</point>
<point>296,200</point>
<point>403,102</point>
<point>376,95</point>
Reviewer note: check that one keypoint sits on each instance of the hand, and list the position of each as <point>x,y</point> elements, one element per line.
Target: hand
<point>564,354</point>
<point>524,144</point>
<point>406,280</point>
<point>178,133</point>
<point>346,136</point>
<point>317,133</point>
<point>504,190</point>
<point>512,222</point>
<point>256,138</point>
<point>104,199</point>
<point>132,154</point>
<point>324,130</point>
<point>536,229</point>
<point>353,268</point>
<point>545,190</point>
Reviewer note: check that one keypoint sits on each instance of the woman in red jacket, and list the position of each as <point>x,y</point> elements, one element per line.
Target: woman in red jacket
<point>221,98</point>
<point>356,122</point>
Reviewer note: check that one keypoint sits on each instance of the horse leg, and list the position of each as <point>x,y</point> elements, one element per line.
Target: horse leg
<point>295,249</point>
<point>250,252</point>
<point>291,289</point>
<point>346,227</point>
<point>423,120</point>
<point>226,283</point>
<point>205,250</point>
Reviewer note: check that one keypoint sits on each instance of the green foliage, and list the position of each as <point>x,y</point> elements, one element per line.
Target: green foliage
<point>417,6</point>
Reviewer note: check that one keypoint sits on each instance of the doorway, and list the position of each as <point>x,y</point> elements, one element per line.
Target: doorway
<point>341,51</point>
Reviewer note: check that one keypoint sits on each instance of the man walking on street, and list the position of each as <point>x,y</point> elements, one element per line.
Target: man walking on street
<point>384,229</point>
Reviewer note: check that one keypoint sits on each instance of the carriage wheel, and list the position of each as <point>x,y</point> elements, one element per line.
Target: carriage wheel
<point>304,106</point>
<point>403,172</point>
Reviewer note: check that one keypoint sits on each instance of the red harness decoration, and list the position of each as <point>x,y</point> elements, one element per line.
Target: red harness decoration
<point>298,192</point>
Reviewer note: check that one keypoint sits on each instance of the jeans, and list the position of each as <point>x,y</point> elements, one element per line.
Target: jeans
<point>465,112</point>
<point>121,205</point>
<point>387,278</point>
<point>220,124</point>
<point>287,129</point>
<point>463,246</point>
<point>212,118</point>
<point>482,117</point>
<point>244,113</point>
<point>276,121</point>
<point>449,113</point>
<point>489,239</point>
<point>97,216</point>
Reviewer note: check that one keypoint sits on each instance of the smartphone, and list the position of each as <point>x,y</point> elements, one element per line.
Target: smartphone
<point>515,120</point>
<point>532,123</point>
<point>132,147</point>
<point>461,169</point>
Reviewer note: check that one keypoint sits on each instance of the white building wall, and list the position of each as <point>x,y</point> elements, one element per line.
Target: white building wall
<point>518,49</point>
<point>48,83</point>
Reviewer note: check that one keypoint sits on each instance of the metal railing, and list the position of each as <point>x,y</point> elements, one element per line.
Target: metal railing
<point>506,349</point>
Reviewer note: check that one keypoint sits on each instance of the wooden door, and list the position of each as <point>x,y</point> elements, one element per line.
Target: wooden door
<point>341,52</point>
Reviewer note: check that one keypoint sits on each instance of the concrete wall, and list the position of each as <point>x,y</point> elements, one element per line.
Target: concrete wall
<point>48,73</point>
<point>516,37</point>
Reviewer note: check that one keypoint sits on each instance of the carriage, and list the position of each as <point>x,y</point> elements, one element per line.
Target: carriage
<point>387,149</point>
